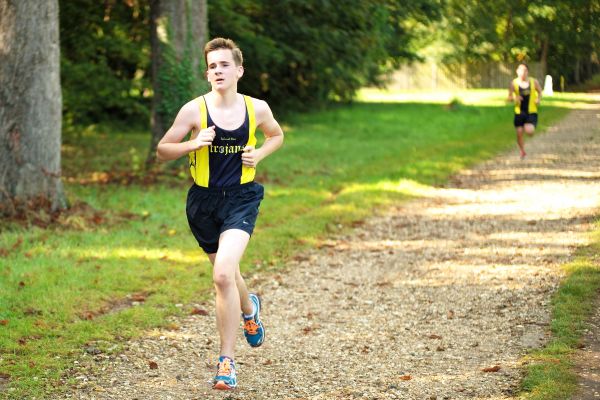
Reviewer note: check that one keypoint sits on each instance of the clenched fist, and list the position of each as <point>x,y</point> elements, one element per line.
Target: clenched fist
<point>251,157</point>
<point>205,137</point>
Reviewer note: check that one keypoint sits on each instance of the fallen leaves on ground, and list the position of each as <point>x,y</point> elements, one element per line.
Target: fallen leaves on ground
<point>41,212</point>
<point>495,368</point>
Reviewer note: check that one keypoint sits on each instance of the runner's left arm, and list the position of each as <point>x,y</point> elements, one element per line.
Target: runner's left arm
<point>538,87</point>
<point>272,131</point>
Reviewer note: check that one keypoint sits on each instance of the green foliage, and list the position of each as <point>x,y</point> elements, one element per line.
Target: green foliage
<point>516,30</point>
<point>407,26</point>
<point>298,54</point>
<point>592,84</point>
<point>303,54</point>
<point>105,60</point>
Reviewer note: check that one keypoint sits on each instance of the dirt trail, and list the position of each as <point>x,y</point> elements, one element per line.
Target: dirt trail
<point>411,305</point>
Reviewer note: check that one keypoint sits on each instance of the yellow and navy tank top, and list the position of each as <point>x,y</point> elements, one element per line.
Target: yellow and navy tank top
<point>220,164</point>
<point>530,95</point>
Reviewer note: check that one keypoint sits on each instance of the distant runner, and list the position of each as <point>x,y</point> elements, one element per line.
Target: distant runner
<point>526,103</point>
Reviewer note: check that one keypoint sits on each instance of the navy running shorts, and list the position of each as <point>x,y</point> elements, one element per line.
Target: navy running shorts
<point>522,119</point>
<point>212,211</point>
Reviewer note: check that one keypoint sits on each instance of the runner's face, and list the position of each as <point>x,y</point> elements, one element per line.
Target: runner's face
<point>222,73</point>
<point>522,72</point>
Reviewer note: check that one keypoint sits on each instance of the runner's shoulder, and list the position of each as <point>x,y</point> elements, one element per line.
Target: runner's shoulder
<point>190,112</point>
<point>261,108</point>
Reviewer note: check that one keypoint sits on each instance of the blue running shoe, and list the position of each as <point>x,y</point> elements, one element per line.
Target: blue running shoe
<point>253,327</point>
<point>226,378</point>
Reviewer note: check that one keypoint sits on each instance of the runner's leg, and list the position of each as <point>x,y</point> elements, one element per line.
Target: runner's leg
<point>520,141</point>
<point>245,302</point>
<point>232,245</point>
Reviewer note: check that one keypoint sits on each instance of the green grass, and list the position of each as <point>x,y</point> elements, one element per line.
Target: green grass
<point>549,373</point>
<point>64,287</point>
<point>478,97</point>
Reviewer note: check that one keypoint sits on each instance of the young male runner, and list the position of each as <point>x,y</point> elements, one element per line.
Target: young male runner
<point>223,202</point>
<point>526,93</point>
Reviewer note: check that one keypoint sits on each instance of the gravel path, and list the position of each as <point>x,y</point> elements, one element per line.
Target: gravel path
<point>415,304</point>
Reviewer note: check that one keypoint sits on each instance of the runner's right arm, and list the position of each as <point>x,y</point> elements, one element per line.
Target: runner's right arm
<point>511,97</point>
<point>171,146</point>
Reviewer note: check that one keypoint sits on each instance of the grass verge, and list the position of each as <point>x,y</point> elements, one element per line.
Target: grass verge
<point>549,374</point>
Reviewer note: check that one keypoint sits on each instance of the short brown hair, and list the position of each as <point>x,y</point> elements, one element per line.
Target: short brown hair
<point>222,43</point>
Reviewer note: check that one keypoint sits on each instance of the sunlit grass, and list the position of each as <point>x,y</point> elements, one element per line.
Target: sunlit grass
<point>58,286</point>
<point>481,97</point>
<point>475,97</point>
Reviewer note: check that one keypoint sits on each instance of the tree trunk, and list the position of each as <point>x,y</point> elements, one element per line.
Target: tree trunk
<point>544,57</point>
<point>30,103</point>
<point>178,33</point>
<point>508,35</point>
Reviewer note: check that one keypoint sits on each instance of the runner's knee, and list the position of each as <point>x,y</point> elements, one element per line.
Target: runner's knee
<point>225,270</point>
<point>529,129</point>
<point>223,279</point>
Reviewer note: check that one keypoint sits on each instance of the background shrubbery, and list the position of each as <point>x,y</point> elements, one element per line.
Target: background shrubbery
<point>302,54</point>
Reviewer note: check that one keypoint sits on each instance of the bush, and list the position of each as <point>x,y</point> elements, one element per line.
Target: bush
<point>105,61</point>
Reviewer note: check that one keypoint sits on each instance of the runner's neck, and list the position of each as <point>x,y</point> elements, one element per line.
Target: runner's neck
<point>223,100</point>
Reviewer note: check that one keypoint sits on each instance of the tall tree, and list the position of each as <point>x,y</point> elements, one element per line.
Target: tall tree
<point>30,103</point>
<point>178,33</point>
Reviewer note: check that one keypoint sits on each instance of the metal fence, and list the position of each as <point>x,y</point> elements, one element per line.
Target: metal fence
<point>431,76</point>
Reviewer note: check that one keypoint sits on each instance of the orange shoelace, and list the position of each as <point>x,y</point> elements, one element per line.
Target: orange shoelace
<point>251,327</point>
<point>224,368</point>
